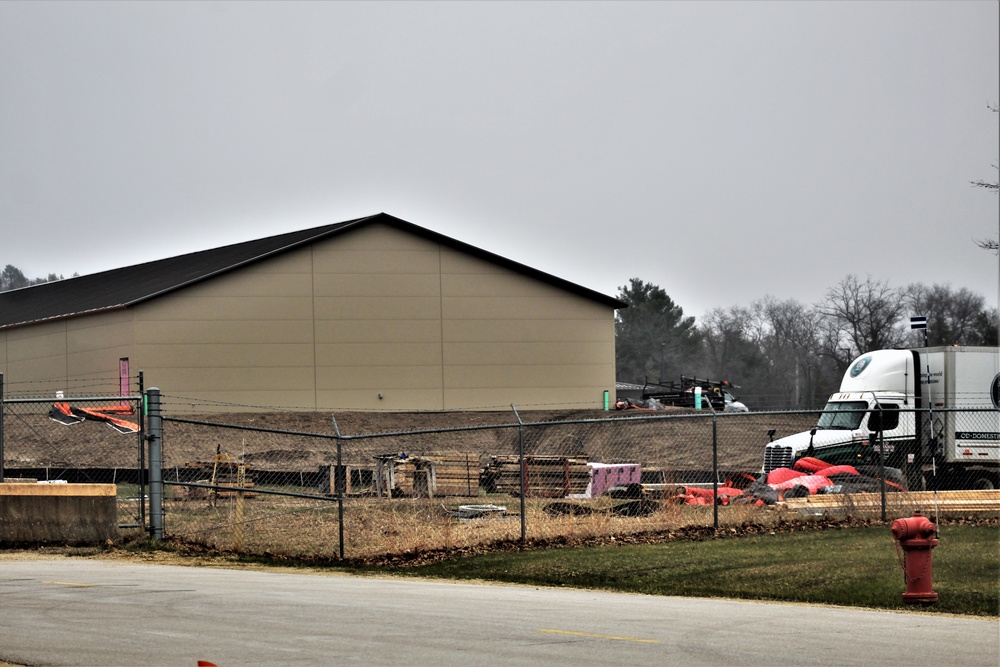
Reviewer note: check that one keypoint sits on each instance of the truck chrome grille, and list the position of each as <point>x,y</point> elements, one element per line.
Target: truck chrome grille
<point>777,457</point>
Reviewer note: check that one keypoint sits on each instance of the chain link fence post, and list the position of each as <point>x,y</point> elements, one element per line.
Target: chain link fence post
<point>141,480</point>
<point>155,439</point>
<point>1,427</point>
<point>339,485</point>
<point>523,474</point>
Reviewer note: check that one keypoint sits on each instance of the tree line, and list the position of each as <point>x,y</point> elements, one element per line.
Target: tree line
<point>13,278</point>
<point>785,354</point>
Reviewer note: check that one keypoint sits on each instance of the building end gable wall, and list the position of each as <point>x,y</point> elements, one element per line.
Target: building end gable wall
<point>370,312</point>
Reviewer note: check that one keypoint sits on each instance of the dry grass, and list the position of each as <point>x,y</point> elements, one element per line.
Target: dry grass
<point>298,527</point>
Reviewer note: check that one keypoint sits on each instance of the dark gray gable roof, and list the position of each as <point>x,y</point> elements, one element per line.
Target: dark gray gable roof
<point>131,285</point>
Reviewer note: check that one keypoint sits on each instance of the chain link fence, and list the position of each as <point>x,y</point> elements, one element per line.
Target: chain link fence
<point>338,489</point>
<point>372,485</point>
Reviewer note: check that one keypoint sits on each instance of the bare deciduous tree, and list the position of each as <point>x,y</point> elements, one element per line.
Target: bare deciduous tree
<point>954,317</point>
<point>858,317</point>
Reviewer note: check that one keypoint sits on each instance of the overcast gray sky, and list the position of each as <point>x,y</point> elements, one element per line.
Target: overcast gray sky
<point>722,150</point>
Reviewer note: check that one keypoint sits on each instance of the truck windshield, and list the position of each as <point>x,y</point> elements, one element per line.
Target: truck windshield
<point>845,415</point>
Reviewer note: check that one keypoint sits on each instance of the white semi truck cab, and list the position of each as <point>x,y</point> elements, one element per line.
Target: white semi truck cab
<point>925,410</point>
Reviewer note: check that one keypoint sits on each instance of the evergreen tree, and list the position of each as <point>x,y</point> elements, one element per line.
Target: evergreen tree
<point>654,341</point>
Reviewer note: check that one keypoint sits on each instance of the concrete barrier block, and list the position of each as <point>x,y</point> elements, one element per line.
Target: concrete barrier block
<point>57,514</point>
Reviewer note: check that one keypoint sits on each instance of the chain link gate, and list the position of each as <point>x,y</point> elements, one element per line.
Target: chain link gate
<point>78,440</point>
<point>246,492</point>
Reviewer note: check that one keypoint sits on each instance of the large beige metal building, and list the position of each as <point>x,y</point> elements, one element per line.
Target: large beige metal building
<point>374,313</point>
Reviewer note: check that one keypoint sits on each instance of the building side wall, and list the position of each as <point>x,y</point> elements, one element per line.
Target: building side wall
<point>371,319</point>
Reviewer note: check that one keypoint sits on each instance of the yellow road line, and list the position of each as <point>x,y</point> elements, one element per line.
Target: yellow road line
<point>69,583</point>
<point>588,634</point>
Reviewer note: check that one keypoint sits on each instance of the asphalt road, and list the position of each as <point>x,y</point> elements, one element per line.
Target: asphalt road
<point>89,612</point>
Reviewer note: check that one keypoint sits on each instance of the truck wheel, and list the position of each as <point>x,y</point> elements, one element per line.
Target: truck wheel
<point>984,483</point>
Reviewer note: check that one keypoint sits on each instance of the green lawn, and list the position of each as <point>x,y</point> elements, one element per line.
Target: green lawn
<point>847,566</point>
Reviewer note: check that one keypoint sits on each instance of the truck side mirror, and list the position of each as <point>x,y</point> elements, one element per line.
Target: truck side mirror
<point>875,421</point>
<point>885,418</point>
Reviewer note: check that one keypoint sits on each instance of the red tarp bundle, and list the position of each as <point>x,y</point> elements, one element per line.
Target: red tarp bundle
<point>779,475</point>
<point>810,464</point>
<point>697,495</point>
<point>811,482</point>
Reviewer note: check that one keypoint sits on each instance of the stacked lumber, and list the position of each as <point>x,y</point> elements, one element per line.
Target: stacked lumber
<point>451,473</point>
<point>436,474</point>
<point>947,501</point>
<point>409,478</point>
<point>546,476</point>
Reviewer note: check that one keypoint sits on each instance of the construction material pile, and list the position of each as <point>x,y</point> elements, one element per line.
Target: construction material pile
<point>809,476</point>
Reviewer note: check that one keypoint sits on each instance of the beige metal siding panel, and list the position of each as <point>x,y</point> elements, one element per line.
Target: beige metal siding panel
<point>221,383</point>
<point>42,341</point>
<point>494,331</point>
<point>39,373</point>
<point>113,334</point>
<point>455,262</point>
<point>495,282</point>
<point>378,331</point>
<point>510,338</point>
<point>511,308</point>
<point>98,366</point>
<point>527,398</point>
<point>401,400</point>
<point>378,354</point>
<point>512,375</point>
<point>378,308</point>
<point>377,261</point>
<point>272,332</point>
<point>235,399</point>
<point>379,378</point>
<point>377,284</point>
<point>563,353</point>
<point>236,309</point>
<point>227,356</point>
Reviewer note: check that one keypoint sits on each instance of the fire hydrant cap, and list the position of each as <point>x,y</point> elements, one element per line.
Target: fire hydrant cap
<point>916,527</point>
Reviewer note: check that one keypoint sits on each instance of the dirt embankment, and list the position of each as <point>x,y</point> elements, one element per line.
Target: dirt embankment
<point>303,441</point>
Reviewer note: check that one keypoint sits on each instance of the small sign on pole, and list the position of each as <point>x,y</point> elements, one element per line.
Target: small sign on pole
<point>919,322</point>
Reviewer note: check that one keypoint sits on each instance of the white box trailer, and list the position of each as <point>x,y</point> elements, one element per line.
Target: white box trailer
<point>934,413</point>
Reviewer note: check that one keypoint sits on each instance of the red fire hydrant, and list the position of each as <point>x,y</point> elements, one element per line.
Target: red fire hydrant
<point>916,537</point>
